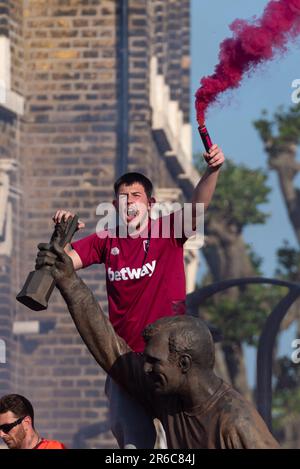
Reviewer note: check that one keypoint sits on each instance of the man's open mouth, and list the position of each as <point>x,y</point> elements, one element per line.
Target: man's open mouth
<point>132,212</point>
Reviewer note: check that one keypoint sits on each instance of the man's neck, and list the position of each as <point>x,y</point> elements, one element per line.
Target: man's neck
<point>199,389</point>
<point>31,440</point>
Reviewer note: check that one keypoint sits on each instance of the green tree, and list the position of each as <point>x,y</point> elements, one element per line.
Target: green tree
<point>286,401</point>
<point>288,260</point>
<point>280,135</point>
<point>239,314</point>
<point>236,204</point>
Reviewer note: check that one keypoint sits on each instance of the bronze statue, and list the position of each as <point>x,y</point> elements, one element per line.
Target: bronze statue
<point>173,379</point>
<point>39,284</point>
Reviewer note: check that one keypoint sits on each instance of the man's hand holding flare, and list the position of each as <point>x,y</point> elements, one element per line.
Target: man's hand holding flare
<point>215,157</point>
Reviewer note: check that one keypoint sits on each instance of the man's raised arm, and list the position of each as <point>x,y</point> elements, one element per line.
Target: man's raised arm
<point>205,188</point>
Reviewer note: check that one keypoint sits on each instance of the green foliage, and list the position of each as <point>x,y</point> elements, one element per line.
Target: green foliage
<point>287,374</point>
<point>276,132</point>
<point>238,194</point>
<point>282,128</point>
<point>255,260</point>
<point>288,259</point>
<point>241,319</point>
<point>286,395</point>
<point>264,127</point>
<point>284,404</point>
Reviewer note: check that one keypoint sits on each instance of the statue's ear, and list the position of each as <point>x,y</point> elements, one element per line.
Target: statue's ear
<point>185,362</point>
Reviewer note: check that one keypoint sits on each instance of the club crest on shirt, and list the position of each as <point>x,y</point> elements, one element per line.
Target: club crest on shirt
<point>115,251</point>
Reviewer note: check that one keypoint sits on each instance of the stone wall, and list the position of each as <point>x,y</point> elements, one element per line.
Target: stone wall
<point>65,64</point>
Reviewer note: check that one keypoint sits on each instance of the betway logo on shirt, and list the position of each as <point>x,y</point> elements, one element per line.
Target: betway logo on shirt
<point>126,273</point>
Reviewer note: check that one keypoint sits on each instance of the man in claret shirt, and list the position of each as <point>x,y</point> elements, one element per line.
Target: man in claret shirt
<point>17,425</point>
<point>144,277</point>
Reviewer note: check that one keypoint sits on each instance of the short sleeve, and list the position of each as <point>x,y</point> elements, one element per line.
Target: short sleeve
<point>90,249</point>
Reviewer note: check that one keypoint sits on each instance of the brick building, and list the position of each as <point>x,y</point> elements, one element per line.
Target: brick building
<point>88,89</point>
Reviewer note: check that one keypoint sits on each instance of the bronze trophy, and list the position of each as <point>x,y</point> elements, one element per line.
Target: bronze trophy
<point>39,283</point>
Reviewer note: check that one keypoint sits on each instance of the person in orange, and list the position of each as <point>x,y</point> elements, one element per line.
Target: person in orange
<point>17,425</point>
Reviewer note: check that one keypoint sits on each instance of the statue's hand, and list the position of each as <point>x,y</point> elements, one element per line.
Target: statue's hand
<point>63,268</point>
<point>44,257</point>
<point>58,262</point>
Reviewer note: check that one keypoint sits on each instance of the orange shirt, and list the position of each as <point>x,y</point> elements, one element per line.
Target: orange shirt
<point>49,444</point>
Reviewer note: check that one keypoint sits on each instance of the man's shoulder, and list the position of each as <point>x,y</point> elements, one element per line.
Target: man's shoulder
<point>51,444</point>
<point>169,226</point>
<point>96,236</point>
<point>107,233</point>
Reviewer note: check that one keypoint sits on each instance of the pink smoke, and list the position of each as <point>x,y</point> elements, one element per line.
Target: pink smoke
<point>251,44</point>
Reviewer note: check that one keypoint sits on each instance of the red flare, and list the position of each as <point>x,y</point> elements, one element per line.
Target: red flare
<point>206,140</point>
<point>251,44</point>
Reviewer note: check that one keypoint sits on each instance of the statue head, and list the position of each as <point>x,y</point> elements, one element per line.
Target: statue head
<point>176,346</point>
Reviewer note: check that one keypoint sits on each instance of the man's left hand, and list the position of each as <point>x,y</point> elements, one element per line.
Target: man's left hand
<point>215,158</point>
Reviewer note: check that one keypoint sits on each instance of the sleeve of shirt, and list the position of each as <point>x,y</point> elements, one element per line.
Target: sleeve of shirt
<point>90,249</point>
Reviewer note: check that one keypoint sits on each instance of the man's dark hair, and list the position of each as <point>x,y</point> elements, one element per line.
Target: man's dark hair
<point>186,334</point>
<point>17,404</point>
<point>130,178</point>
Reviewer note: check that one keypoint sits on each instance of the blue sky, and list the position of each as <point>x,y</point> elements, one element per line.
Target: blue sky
<point>230,124</point>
